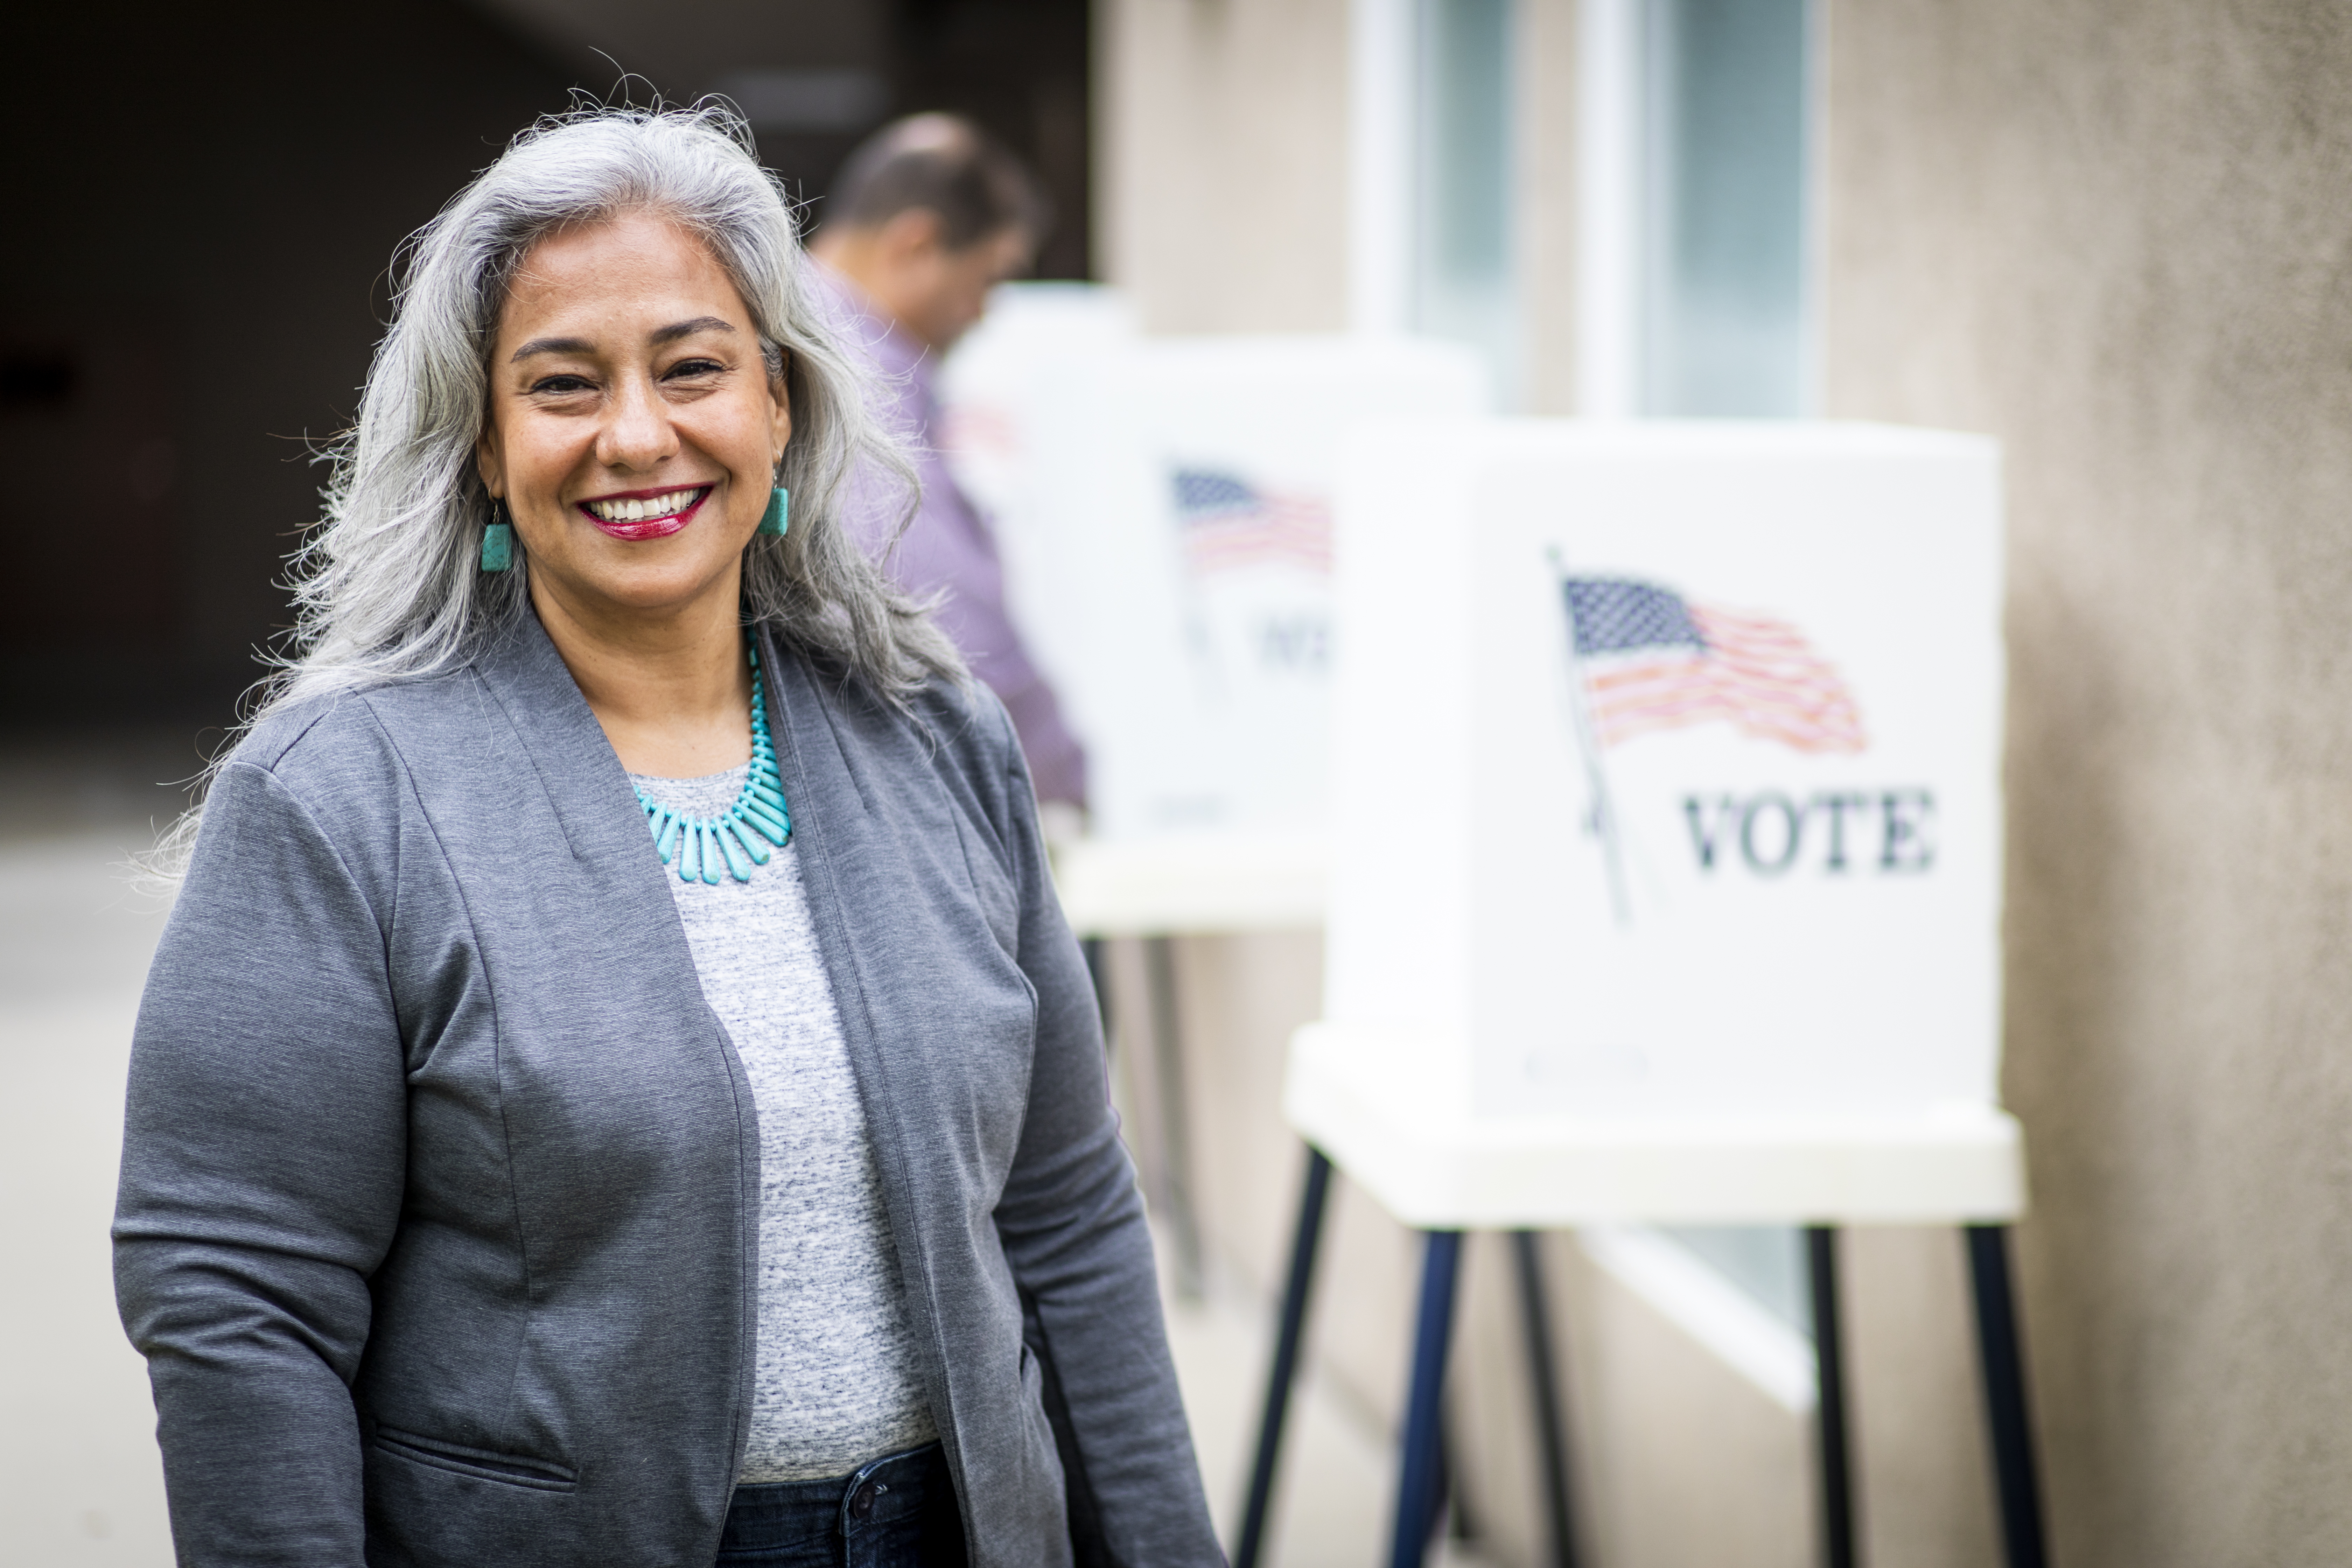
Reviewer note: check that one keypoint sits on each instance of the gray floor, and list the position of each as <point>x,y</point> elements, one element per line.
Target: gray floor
<point>80,1480</point>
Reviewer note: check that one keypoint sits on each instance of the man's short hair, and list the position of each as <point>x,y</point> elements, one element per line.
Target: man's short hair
<point>942,164</point>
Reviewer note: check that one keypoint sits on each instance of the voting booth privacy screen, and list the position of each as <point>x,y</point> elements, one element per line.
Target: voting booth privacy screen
<point>1666,766</point>
<point>1165,508</point>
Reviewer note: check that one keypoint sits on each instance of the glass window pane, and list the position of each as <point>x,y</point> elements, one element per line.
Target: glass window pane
<point>1463,271</point>
<point>1766,1262</point>
<point>1726,318</point>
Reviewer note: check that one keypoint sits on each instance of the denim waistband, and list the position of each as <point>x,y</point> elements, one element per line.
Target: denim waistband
<point>768,1514</point>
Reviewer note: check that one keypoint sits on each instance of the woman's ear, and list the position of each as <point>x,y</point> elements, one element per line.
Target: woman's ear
<point>780,410</point>
<point>487,464</point>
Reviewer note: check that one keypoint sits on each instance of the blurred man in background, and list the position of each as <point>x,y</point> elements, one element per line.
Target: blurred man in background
<point>924,219</point>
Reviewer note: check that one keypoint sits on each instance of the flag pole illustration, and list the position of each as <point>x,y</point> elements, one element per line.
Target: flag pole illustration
<point>1640,659</point>
<point>1601,816</point>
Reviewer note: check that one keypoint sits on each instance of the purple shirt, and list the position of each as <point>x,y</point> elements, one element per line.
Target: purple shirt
<point>950,546</point>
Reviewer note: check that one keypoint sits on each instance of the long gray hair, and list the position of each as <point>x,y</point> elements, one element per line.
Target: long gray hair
<point>388,587</point>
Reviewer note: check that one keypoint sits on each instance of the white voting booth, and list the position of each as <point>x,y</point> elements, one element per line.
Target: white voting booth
<point>1165,510</point>
<point>1667,863</point>
<point>1667,849</point>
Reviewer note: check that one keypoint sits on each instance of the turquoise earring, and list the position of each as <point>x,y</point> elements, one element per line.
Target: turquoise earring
<point>779,514</point>
<point>498,543</point>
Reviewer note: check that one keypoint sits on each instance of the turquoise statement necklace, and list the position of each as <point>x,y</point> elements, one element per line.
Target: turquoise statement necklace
<point>698,846</point>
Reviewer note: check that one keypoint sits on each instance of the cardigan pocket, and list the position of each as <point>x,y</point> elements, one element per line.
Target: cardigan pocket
<point>512,1469</point>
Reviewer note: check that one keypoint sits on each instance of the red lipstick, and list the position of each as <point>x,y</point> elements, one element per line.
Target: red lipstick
<point>638,528</point>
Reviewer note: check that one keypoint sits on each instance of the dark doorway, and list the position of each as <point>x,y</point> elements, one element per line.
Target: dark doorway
<point>206,203</point>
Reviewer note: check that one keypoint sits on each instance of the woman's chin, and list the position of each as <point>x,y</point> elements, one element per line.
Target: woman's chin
<point>647,581</point>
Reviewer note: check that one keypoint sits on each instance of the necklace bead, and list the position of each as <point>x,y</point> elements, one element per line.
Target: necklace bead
<point>701,846</point>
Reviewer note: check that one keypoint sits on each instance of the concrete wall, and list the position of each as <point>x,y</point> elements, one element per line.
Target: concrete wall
<point>1545,190</point>
<point>1220,163</point>
<point>2119,236</point>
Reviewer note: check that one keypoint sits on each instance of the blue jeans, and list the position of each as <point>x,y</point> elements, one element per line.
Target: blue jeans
<point>897,1512</point>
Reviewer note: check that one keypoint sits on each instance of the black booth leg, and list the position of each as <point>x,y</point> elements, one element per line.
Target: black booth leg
<point>2005,1406</point>
<point>1417,1499</point>
<point>1543,1371</point>
<point>1285,1357</point>
<point>1837,1472</point>
<point>1175,1116</point>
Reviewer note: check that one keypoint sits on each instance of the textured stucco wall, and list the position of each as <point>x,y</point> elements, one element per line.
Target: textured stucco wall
<point>1544,193</point>
<point>1221,167</point>
<point>2118,237</point>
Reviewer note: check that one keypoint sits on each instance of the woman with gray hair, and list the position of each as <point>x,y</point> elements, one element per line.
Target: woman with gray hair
<point>616,1087</point>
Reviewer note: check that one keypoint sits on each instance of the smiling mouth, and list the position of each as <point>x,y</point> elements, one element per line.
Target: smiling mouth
<point>645,517</point>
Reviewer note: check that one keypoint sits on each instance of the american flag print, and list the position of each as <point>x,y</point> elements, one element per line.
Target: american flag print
<point>1651,659</point>
<point>1224,524</point>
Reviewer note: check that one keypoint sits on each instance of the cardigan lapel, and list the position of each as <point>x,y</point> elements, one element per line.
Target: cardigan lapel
<point>586,784</point>
<point>615,879</point>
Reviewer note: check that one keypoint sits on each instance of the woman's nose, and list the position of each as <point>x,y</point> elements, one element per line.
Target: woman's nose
<point>637,433</point>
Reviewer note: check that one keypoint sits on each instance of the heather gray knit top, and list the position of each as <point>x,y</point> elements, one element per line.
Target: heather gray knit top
<point>838,1381</point>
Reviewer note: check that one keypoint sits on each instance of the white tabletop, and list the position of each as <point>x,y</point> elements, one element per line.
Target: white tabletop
<point>1192,883</point>
<point>1395,1115</point>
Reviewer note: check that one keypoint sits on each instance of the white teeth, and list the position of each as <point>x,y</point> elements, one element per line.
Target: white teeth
<point>638,510</point>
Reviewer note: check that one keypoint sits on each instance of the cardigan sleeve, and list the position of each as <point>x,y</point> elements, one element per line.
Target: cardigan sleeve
<point>1073,1229</point>
<point>262,1171</point>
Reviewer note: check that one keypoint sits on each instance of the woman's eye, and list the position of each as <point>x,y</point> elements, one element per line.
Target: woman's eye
<point>690,368</point>
<point>561,384</point>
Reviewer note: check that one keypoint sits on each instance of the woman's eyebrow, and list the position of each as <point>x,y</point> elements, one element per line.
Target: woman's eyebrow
<point>552,346</point>
<point>668,334</point>
<point>677,330</point>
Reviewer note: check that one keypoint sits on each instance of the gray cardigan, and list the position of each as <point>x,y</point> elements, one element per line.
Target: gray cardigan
<point>438,1216</point>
